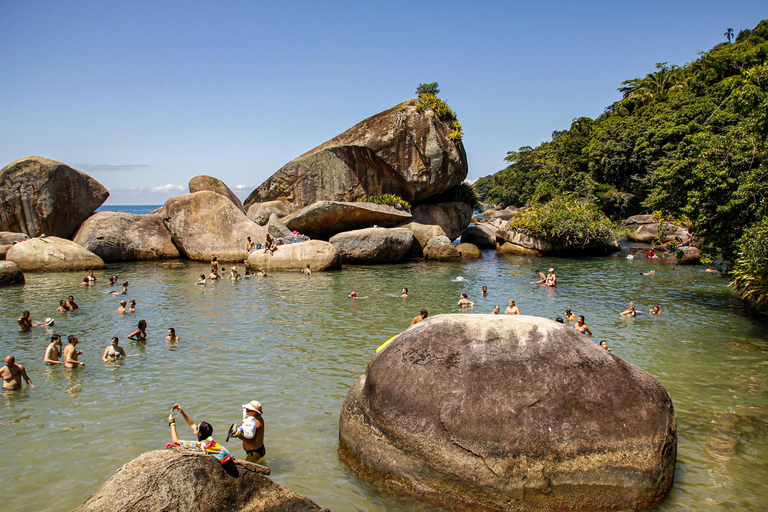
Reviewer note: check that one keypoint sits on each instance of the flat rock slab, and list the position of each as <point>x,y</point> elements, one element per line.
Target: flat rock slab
<point>182,481</point>
<point>374,245</point>
<point>118,236</point>
<point>53,254</point>
<point>42,196</point>
<point>510,413</point>
<point>10,273</point>
<point>324,219</point>
<point>319,255</point>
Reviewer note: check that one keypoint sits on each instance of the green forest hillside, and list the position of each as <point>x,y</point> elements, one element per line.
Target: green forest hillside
<point>687,143</point>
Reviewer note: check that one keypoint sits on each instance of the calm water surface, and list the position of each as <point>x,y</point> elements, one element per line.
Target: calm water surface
<point>297,344</point>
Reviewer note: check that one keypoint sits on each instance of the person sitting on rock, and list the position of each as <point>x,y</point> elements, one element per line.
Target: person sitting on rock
<point>204,433</point>
<point>251,431</point>
<point>270,246</point>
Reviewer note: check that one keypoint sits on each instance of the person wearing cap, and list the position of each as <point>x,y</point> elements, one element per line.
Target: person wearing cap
<point>251,431</point>
<point>551,278</point>
<point>12,374</point>
<point>234,274</point>
<point>464,302</point>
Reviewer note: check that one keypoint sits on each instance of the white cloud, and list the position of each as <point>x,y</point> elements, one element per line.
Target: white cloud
<point>241,187</point>
<point>164,189</point>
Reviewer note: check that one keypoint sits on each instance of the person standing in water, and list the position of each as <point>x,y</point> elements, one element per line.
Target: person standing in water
<point>581,326</point>
<point>551,278</point>
<point>12,374</point>
<point>512,309</point>
<point>251,431</point>
<point>171,335</point>
<point>114,351</point>
<point>140,334</point>
<point>25,322</point>
<point>71,353</point>
<point>53,351</point>
<point>496,310</point>
<point>464,302</point>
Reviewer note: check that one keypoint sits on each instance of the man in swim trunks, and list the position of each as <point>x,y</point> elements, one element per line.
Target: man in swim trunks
<point>53,352</point>
<point>251,431</point>
<point>424,314</point>
<point>71,354</point>
<point>12,374</point>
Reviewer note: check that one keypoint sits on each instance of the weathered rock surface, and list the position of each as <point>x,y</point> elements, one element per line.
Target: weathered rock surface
<point>510,248</point>
<point>320,255</point>
<point>277,229</point>
<point>482,235</point>
<point>404,150</point>
<point>452,217</point>
<point>326,218</point>
<point>469,251</point>
<point>10,273</point>
<point>43,196</point>
<point>439,248</point>
<point>258,211</point>
<point>9,237</point>
<point>505,214</point>
<point>118,236</point>
<point>206,224</point>
<point>514,242</point>
<point>421,235</point>
<point>53,254</point>
<point>636,220</point>
<point>373,245</point>
<point>647,233</point>
<point>204,182</point>
<point>4,250</point>
<point>179,481</point>
<point>510,413</point>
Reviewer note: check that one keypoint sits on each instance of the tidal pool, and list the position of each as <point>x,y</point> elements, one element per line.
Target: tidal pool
<point>297,344</point>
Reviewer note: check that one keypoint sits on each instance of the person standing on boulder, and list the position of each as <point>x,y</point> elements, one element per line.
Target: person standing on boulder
<point>251,431</point>
<point>12,374</point>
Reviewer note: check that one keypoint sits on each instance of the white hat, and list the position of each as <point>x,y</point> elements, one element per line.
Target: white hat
<point>49,321</point>
<point>253,405</point>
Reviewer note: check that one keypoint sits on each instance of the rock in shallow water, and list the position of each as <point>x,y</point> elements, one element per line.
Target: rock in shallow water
<point>118,236</point>
<point>373,245</point>
<point>510,413</point>
<point>53,254</point>
<point>320,255</point>
<point>10,273</point>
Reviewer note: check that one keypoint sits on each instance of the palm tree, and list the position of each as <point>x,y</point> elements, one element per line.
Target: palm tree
<point>655,86</point>
<point>729,34</point>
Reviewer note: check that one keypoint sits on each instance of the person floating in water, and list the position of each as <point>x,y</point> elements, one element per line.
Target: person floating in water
<point>12,374</point>
<point>423,315</point>
<point>649,273</point>
<point>204,433</point>
<point>460,278</point>
<point>251,431</point>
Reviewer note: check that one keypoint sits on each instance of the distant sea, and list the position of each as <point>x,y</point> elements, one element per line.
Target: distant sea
<point>129,208</point>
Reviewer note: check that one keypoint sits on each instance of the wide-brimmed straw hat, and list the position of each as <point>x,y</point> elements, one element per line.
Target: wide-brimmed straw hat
<point>253,405</point>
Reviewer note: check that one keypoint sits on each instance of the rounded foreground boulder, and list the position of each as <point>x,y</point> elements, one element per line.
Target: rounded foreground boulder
<point>119,236</point>
<point>319,255</point>
<point>177,481</point>
<point>52,254</point>
<point>10,273</point>
<point>509,413</point>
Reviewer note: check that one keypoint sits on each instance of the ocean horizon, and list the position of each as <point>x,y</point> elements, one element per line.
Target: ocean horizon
<point>138,209</point>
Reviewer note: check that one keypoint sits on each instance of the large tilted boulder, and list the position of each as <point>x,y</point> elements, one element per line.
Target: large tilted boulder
<point>510,413</point>
<point>405,150</point>
<point>514,242</point>
<point>277,228</point>
<point>118,236</point>
<point>53,254</point>
<point>260,212</point>
<point>206,224</point>
<point>204,182</point>
<point>320,255</point>
<point>482,235</point>
<point>422,233</point>
<point>452,217</point>
<point>10,273</point>
<point>42,196</point>
<point>374,245</point>
<point>182,481</point>
<point>326,218</point>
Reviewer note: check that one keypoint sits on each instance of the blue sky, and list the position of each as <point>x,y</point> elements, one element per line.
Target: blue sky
<point>145,95</point>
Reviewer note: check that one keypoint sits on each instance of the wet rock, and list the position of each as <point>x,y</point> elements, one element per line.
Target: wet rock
<point>118,236</point>
<point>404,150</point>
<point>43,196</point>
<point>482,235</point>
<point>206,224</point>
<point>10,273</point>
<point>53,254</point>
<point>320,255</point>
<point>421,235</point>
<point>179,481</point>
<point>204,182</point>
<point>510,413</point>
<point>324,219</point>
<point>469,251</point>
<point>439,248</point>
<point>374,245</point>
<point>452,217</point>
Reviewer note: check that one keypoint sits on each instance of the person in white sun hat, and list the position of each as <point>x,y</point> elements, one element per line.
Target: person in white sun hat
<point>251,431</point>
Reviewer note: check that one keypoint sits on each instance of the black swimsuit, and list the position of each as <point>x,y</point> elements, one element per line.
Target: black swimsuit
<point>262,451</point>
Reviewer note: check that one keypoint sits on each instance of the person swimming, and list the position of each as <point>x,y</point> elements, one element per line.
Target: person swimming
<point>464,302</point>
<point>114,351</point>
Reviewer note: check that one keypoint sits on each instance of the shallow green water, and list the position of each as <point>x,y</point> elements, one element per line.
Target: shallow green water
<point>297,344</point>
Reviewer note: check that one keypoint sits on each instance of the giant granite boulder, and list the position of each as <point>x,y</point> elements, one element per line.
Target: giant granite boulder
<point>118,236</point>
<point>204,182</point>
<point>373,245</point>
<point>510,413</point>
<point>453,217</point>
<point>10,273</point>
<point>326,218</point>
<point>482,234</point>
<point>666,232</point>
<point>42,196</point>
<point>183,481</point>
<point>53,254</point>
<point>206,224</point>
<point>405,150</point>
<point>320,255</point>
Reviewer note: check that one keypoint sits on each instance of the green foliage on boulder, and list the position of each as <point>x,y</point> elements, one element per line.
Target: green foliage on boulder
<point>427,93</point>
<point>750,273</point>
<point>462,193</point>
<point>389,200</point>
<point>568,223</point>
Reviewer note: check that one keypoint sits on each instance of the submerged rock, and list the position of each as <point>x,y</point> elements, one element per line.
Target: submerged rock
<point>320,255</point>
<point>181,481</point>
<point>405,150</point>
<point>10,273</point>
<point>326,218</point>
<point>118,236</point>
<point>53,254</point>
<point>204,182</point>
<point>373,245</point>
<point>42,196</point>
<point>510,413</point>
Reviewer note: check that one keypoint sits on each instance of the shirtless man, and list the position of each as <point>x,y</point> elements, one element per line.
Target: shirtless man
<point>630,311</point>
<point>512,309</point>
<point>71,303</point>
<point>307,271</point>
<point>122,308</point>
<point>70,353</point>
<point>423,315</point>
<point>62,307</point>
<point>215,265</point>
<point>251,431</point>
<point>53,352</point>
<point>250,245</point>
<point>25,322</point>
<point>542,277</point>
<point>12,374</point>
<point>496,310</point>
<point>551,278</point>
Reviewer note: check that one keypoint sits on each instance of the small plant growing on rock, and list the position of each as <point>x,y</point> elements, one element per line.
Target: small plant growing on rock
<point>427,93</point>
<point>389,200</point>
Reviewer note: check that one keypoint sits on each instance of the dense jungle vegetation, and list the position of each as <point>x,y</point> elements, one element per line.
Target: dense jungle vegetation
<point>689,144</point>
